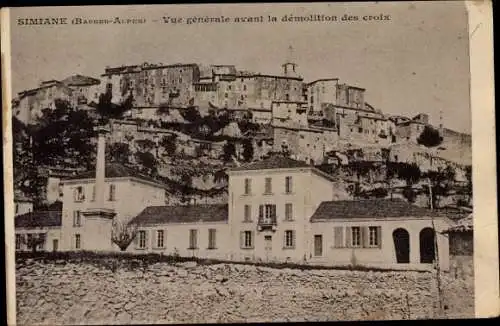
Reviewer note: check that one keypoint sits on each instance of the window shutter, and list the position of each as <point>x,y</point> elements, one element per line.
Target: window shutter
<point>136,239</point>
<point>379,236</point>
<point>146,238</point>
<point>365,236</point>
<point>93,193</point>
<point>261,211</point>
<point>155,239</point>
<point>338,236</point>
<point>348,235</point>
<point>293,239</point>
<point>242,239</point>
<point>284,239</point>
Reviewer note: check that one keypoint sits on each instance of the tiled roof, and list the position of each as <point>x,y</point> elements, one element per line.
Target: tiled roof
<point>464,225</point>
<point>181,214</point>
<point>370,208</point>
<point>38,219</point>
<point>273,162</point>
<point>115,170</point>
<point>79,80</point>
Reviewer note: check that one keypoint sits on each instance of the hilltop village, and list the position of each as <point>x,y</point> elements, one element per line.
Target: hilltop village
<point>213,161</point>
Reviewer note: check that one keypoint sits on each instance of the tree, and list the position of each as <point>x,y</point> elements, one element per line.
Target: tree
<point>148,161</point>
<point>229,150</point>
<point>122,234</point>
<point>441,184</point>
<point>430,137</point>
<point>170,144</point>
<point>109,110</point>
<point>247,150</point>
<point>118,152</point>
<point>33,241</point>
<point>59,137</point>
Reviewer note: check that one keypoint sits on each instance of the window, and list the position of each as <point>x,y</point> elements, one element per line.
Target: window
<point>142,239</point>
<point>268,186</point>
<point>289,212</point>
<point>248,213</point>
<point>17,208</point>
<point>112,191</point>
<point>19,241</point>
<point>360,130</point>
<point>78,241</point>
<point>267,212</point>
<point>93,193</point>
<point>77,218</point>
<point>244,87</point>
<point>79,194</point>
<point>374,236</point>
<point>211,238</point>
<point>246,239</point>
<point>356,236</point>
<point>288,185</point>
<point>42,238</point>
<point>289,239</point>
<point>160,238</point>
<point>193,239</point>
<point>248,187</point>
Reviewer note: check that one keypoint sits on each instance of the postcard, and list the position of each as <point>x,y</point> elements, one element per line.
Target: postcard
<point>221,163</point>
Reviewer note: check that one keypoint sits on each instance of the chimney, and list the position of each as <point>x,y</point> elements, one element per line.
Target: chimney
<point>100,169</point>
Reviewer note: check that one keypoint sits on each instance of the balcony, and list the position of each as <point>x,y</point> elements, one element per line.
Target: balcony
<point>267,223</point>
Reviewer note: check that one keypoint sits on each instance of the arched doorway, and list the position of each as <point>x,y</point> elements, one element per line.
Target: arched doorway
<point>427,249</point>
<point>401,239</point>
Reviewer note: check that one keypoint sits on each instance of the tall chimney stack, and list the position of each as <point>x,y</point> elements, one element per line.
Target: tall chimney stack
<point>100,169</point>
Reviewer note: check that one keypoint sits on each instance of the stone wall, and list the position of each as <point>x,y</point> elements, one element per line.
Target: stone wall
<point>59,292</point>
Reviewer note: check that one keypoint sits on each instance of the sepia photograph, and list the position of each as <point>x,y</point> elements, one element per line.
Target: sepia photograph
<point>222,163</point>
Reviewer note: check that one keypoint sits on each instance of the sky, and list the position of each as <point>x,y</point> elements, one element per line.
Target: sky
<point>417,62</point>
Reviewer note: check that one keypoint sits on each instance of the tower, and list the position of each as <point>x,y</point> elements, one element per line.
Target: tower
<point>289,67</point>
<point>98,219</point>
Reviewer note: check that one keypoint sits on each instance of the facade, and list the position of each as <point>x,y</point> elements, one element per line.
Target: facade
<point>77,90</point>
<point>318,92</point>
<point>378,233</point>
<point>44,225</point>
<point>32,102</point>
<point>22,204</point>
<point>126,193</point>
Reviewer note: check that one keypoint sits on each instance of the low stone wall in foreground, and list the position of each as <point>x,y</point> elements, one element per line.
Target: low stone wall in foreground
<point>61,292</point>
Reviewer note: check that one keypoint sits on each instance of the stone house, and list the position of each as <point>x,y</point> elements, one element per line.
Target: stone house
<point>461,242</point>
<point>377,232</point>
<point>44,224</point>
<point>188,230</point>
<point>32,102</point>
<point>22,203</point>
<point>269,205</point>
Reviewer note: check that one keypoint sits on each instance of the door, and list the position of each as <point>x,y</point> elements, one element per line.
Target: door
<point>401,239</point>
<point>55,244</point>
<point>318,245</point>
<point>427,246</point>
<point>268,246</point>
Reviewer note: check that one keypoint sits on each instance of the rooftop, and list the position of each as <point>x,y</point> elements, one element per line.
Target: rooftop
<point>464,225</point>
<point>370,208</point>
<point>79,80</point>
<point>115,170</point>
<point>182,214</point>
<point>272,162</point>
<point>38,219</point>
